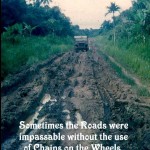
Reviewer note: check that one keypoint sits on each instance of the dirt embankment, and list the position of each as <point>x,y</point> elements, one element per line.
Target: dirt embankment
<point>72,87</point>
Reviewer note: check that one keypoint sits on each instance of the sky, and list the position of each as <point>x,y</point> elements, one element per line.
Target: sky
<point>88,13</point>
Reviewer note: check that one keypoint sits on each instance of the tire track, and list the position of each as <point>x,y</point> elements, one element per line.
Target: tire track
<point>84,88</point>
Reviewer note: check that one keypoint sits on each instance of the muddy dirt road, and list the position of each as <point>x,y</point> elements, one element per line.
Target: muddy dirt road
<point>72,87</point>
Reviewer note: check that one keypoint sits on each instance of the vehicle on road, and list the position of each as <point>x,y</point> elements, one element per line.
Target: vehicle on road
<point>81,43</point>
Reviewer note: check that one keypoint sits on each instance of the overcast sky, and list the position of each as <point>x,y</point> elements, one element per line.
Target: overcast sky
<point>88,13</point>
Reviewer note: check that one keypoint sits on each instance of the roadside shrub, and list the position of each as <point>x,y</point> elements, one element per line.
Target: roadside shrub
<point>135,57</point>
<point>28,50</point>
<point>12,32</point>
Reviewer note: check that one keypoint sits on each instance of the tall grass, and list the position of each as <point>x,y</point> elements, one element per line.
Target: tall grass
<point>134,56</point>
<point>18,50</point>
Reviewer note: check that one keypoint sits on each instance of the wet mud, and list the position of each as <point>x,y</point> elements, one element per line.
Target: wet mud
<point>72,87</point>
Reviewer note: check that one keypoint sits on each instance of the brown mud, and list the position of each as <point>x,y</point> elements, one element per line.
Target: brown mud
<point>73,87</point>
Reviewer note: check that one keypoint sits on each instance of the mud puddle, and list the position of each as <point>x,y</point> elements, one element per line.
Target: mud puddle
<point>31,119</point>
<point>79,118</point>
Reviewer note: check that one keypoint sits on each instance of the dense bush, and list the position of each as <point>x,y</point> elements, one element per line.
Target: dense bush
<point>32,32</point>
<point>41,18</point>
<point>22,50</point>
<point>132,39</point>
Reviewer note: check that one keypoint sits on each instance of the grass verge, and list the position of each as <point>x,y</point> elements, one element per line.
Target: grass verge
<point>141,91</point>
<point>135,57</point>
<point>18,50</point>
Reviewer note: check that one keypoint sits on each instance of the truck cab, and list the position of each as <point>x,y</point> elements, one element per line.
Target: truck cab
<point>81,43</point>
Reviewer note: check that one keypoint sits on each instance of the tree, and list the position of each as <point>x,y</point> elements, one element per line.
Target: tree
<point>106,26</point>
<point>28,29</point>
<point>38,3</point>
<point>36,16</point>
<point>112,9</point>
<point>12,11</point>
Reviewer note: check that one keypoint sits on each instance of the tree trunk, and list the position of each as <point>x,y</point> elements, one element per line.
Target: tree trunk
<point>114,37</point>
<point>114,34</point>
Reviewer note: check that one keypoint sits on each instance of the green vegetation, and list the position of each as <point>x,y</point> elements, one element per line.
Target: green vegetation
<point>112,9</point>
<point>32,32</point>
<point>88,32</point>
<point>141,91</point>
<point>19,50</point>
<point>132,39</point>
<point>118,70</point>
<point>135,58</point>
<point>38,17</point>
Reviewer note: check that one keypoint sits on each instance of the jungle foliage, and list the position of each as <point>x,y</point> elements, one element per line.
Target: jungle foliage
<point>32,32</point>
<point>39,17</point>
<point>127,38</point>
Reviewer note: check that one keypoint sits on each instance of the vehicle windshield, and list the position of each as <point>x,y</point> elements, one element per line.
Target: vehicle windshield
<point>80,38</point>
